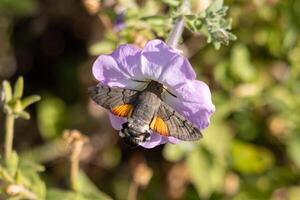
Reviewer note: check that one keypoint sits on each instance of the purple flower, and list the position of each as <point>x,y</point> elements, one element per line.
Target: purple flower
<point>119,23</point>
<point>159,62</point>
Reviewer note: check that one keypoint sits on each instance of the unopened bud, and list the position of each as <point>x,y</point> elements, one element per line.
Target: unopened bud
<point>92,6</point>
<point>142,174</point>
<point>14,189</point>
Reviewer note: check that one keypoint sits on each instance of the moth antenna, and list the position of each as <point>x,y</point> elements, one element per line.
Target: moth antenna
<point>166,89</point>
<point>141,81</point>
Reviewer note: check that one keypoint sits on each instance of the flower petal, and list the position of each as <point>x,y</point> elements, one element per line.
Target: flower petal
<point>116,122</point>
<point>173,140</point>
<point>117,69</point>
<point>193,102</point>
<point>164,64</point>
<point>155,140</point>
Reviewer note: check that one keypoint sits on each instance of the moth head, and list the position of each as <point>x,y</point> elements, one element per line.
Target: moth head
<point>155,87</point>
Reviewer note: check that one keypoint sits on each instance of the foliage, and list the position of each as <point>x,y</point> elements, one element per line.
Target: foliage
<point>142,23</point>
<point>87,191</point>
<point>211,22</point>
<point>19,8</point>
<point>19,177</point>
<point>13,104</point>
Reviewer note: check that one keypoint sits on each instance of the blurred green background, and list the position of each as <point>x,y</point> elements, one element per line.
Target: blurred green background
<point>251,150</point>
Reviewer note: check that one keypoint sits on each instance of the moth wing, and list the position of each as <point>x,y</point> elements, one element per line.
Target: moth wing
<point>118,100</point>
<point>177,125</point>
<point>159,126</point>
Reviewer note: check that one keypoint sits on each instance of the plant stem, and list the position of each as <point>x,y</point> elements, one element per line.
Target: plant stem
<point>75,164</point>
<point>9,135</point>
<point>133,190</point>
<point>178,27</point>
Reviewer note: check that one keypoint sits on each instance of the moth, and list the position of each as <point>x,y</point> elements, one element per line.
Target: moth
<point>145,111</point>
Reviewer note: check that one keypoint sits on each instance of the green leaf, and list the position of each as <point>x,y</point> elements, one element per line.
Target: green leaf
<point>231,36</point>
<point>241,67</point>
<point>17,106</point>
<point>28,172</point>
<point>89,190</point>
<point>57,194</point>
<point>51,113</point>
<point>19,86</point>
<point>7,109</point>
<point>293,193</point>
<point>111,157</point>
<point>172,3</point>
<point>19,178</point>
<point>15,7</point>
<point>217,45</point>
<point>207,164</point>
<point>216,144</point>
<point>27,101</point>
<point>4,175</point>
<point>155,20</point>
<point>206,173</point>
<point>31,165</point>
<point>7,91</point>
<point>215,6</point>
<point>293,149</point>
<point>24,115</point>
<point>102,47</point>
<point>173,153</point>
<point>251,159</point>
<point>192,23</point>
<point>212,23</point>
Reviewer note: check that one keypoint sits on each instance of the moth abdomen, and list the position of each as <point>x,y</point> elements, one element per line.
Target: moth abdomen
<point>134,135</point>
